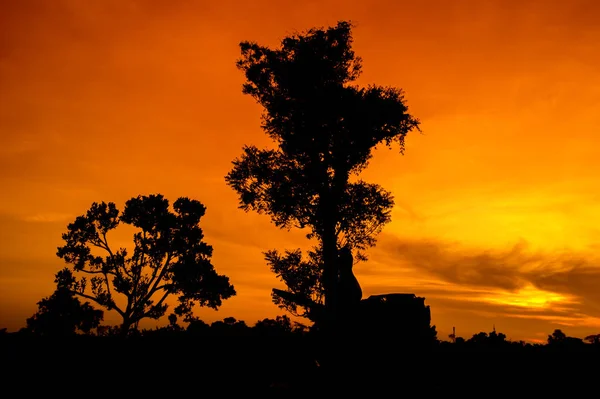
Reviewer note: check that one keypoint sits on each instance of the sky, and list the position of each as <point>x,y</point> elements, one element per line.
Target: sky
<point>497,201</point>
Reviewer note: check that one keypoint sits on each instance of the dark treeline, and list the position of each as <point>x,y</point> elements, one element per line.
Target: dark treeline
<point>285,358</point>
<point>282,327</point>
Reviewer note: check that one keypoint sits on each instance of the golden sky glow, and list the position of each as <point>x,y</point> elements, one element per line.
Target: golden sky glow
<point>497,202</point>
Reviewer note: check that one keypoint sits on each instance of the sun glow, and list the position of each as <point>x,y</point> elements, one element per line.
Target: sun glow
<point>529,297</point>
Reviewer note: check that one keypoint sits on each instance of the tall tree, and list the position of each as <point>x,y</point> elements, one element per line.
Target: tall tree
<point>169,258</point>
<point>63,313</point>
<point>324,128</point>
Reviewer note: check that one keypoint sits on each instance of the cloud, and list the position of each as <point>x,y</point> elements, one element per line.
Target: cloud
<point>537,289</point>
<point>48,217</point>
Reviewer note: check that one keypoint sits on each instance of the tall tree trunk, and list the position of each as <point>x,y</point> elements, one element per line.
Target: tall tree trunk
<point>330,207</point>
<point>330,271</point>
<point>329,326</point>
<point>330,276</point>
<point>125,326</point>
<point>330,215</point>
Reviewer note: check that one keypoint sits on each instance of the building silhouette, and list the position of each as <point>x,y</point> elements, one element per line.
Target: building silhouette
<point>401,317</point>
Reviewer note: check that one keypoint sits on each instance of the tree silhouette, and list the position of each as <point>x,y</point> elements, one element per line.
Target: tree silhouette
<point>197,326</point>
<point>280,326</point>
<point>169,258</point>
<point>593,339</point>
<point>324,129</point>
<point>558,339</point>
<point>62,313</point>
<point>303,278</point>
<point>491,340</point>
<point>229,326</point>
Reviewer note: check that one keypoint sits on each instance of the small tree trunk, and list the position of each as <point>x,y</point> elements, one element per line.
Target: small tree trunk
<point>125,327</point>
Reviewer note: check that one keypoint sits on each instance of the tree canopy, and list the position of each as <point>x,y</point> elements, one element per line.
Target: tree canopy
<point>169,257</point>
<point>324,128</point>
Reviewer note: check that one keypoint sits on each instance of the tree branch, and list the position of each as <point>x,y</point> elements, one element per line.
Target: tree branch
<point>166,294</point>
<point>114,306</point>
<point>93,271</point>
<point>107,248</point>
<point>110,252</point>
<point>105,240</point>
<point>155,280</point>
<point>139,264</point>
<point>163,271</point>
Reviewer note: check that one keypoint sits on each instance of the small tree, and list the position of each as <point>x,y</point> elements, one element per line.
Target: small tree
<point>324,129</point>
<point>493,339</point>
<point>169,258</point>
<point>303,278</point>
<point>593,339</point>
<point>62,313</point>
<point>281,325</point>
<point>229,326</point>
<point>557,337</point>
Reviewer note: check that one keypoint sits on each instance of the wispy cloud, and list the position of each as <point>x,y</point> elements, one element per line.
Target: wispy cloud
<point>48,217</point>
<point>558,288</point>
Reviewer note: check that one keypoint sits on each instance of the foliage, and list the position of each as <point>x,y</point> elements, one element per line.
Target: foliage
<point>169,258</point>
<point>493,339</point>
<point>280,326</point>
<point>558,339</point>
<point>324,128</point>
<point>593,339</point>
<point>303,278</point>
<point>62,313</point>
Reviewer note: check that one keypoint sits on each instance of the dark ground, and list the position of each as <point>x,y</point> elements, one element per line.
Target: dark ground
<point>287,367</point>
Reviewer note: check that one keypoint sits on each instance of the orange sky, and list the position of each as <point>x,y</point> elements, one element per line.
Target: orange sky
<point>497,203</point>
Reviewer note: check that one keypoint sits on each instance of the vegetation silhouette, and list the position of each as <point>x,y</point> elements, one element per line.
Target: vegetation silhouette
<point>282,358</point>
<point>169,258</point>
<point>63,314</point>
<point>324,128</point>
<point>593,339</point>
